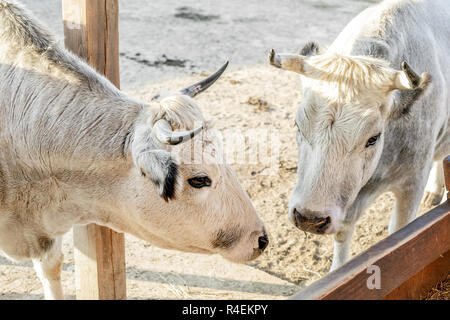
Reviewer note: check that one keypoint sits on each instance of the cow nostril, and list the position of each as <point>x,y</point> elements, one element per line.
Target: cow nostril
<point>298,218</point>
<point>324,224</point>
<point>263,242</point>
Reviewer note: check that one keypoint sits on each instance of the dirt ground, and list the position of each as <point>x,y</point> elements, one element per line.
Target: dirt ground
<point>166,45</point>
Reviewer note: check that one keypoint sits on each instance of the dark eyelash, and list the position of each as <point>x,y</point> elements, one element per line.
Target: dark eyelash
<point>373,140</point>
<point>199,182</point>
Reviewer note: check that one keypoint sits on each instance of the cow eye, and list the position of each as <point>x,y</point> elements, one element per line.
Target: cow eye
<point>199,182</point>
<point>373,140</point>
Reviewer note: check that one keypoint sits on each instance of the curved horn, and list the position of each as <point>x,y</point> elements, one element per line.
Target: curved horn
<point>201,86</point>
<point>407,79</point>
<point>163,132</point>
<point>291,62</point>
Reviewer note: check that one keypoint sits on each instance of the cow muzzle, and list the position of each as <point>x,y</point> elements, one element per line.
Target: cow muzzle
<point>311,221</point>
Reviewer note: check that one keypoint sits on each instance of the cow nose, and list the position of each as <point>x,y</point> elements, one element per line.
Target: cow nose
<point>263,242</point>
<point>311,221</point>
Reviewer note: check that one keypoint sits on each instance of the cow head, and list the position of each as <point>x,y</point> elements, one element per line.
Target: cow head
<point>341,121</point>
<point>181,193</point>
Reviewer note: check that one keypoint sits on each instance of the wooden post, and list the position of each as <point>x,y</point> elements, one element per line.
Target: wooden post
<point>91,31</point>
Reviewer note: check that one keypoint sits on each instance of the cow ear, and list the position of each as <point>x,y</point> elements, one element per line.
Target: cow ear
<point>403,101</point>
<point>160,167</point>
<point>310,49</point>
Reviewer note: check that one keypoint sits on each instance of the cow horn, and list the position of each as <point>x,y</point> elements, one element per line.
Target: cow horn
<point>291,62</point>
<point>201,86</point>
<point>407,79</point>
<point>164,133</point>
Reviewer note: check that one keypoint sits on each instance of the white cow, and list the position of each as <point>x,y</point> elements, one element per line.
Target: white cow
<point>367,123</point>
<point>75,150</point>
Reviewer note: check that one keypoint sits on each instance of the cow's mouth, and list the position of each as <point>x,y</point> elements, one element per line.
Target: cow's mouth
<point>312,225</point>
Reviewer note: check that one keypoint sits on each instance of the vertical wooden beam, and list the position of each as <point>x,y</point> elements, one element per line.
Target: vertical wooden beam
<point>91,32</point>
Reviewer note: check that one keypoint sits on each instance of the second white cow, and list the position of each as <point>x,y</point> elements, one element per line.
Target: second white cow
<point>368,124</point>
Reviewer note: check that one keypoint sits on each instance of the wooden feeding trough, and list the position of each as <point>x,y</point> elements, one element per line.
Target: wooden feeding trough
<point>410,261</point>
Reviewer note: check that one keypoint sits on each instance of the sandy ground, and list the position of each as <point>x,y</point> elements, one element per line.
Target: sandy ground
<point>166,45</point>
